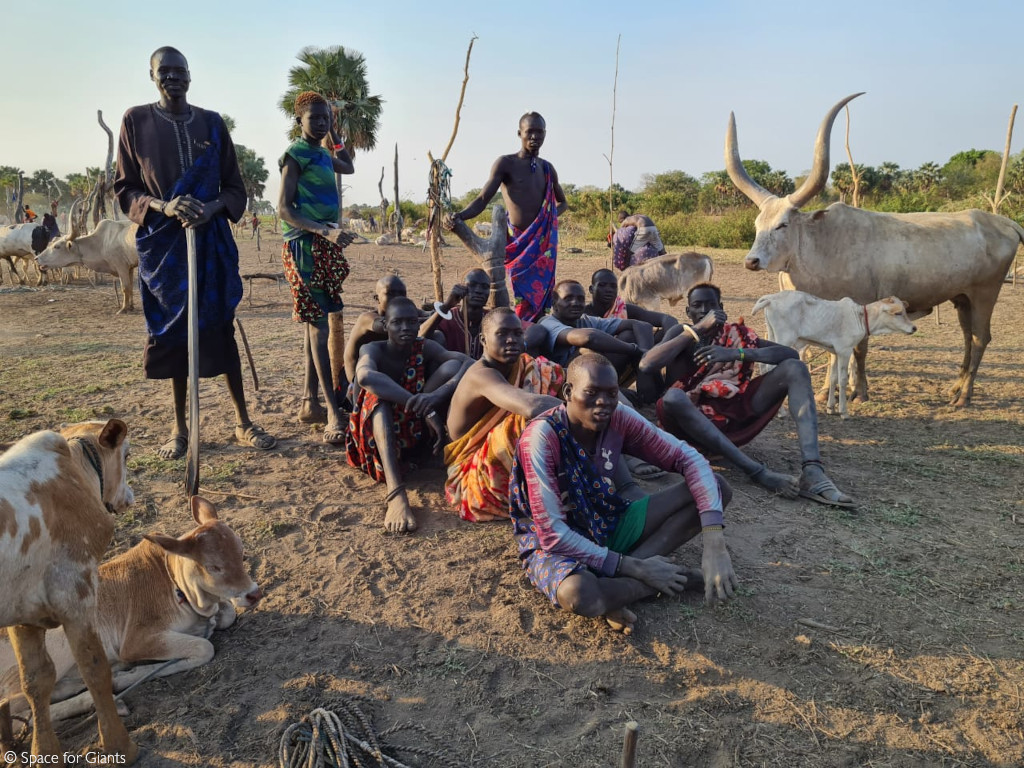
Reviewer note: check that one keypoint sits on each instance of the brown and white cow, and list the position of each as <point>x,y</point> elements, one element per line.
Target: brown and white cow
<point>56,491</point>
<point>157,602</point>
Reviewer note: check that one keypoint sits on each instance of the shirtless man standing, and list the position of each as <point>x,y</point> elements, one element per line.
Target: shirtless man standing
<point>534,200</point>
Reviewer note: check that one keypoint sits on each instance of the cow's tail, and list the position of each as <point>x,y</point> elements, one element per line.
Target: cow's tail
<point>761,303</point>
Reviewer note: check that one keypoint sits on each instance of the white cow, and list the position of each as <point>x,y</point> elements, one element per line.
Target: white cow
<point>22,242</point>
<point>110,248</point>
<point>359,225</point>
<point>924,258</point>
<point>796,319</point>
<point>664,277</point>
<point>482,228</point>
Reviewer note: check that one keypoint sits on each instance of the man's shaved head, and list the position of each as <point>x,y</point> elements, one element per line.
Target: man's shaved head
<point>589,362</point>
<point>708,286</point>
<point>491,318</point>
<point>160,52</point>
<point>388,283</point>
<point>606,274</point>
<point>477,275</point>
<point>399,304</point>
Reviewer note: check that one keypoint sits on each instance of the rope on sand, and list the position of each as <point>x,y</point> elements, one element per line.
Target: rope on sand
<point>343,737</point>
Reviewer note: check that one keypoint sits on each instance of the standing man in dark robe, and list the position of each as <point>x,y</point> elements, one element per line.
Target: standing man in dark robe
<point>534,200</point>
<point>177,170</point>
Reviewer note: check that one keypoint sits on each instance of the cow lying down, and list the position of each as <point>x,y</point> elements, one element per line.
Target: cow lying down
<point>796,319</point>
<point>158,601</point>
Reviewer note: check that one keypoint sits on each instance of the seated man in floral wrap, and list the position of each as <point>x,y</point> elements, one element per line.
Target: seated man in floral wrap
<point>405,385</point>
<point>496,397</point>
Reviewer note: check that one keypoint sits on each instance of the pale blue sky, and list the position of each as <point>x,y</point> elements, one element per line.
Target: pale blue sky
<point>940,77</point>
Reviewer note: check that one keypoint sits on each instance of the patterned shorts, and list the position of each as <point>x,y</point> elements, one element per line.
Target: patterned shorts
<point>546,572</point>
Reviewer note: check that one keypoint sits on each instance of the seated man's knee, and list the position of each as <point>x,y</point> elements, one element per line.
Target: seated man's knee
<point>679,403</point>
<point>794,369</point>
<point>724,489</point>
<point>579,594</point>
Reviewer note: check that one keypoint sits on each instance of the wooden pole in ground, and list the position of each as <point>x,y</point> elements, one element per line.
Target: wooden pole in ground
<point>610,157</point>
<point>436,214</point>
<point>397,206</point>
<point>629,745</point>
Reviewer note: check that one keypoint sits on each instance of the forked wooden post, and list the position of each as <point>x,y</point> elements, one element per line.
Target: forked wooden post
<point>490,252</point>
<point>629,745</point>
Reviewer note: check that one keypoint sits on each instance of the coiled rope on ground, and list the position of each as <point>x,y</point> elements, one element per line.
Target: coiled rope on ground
<point>342,736</point>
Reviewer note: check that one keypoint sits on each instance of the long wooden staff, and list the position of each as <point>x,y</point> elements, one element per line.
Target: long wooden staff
<point>192,461</point>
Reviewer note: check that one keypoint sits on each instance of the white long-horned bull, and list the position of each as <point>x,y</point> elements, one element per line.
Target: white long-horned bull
<point>924,258</point>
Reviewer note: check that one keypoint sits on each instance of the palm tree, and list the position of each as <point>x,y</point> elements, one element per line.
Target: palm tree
<point>339,75</point>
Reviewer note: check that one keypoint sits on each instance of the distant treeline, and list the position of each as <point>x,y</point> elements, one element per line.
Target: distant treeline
<point>711,212</point>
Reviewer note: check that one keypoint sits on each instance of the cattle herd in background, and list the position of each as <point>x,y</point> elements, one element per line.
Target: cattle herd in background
<point>857,273</point>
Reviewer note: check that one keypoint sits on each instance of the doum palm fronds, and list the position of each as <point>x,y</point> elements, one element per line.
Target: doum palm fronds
<point>339,75</point>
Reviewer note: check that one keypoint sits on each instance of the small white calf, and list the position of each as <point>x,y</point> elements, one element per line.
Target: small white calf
<point>482,228</point>
<point>796,319</point>
<point>158,601</point>
<point>664,277</point>
<point>55,493</point>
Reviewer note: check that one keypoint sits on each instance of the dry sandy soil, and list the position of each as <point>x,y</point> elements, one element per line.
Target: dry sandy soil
<point>890,637</point>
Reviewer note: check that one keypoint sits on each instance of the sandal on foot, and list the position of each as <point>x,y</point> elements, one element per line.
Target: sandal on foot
<point>174,448</point>
<point>335,436</point>
<point>255,436</point>
<point>825,492</point>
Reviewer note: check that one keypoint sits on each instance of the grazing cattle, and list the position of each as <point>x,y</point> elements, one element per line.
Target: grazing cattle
<point>110,248</point>
<point>924,258</point>
<point>482,228</point>
<point>664,277</point>
<point>158,601</point>
<point>796,319</point>
<point>22,242</point>
<point>359,225</point>
<point>56,491</point>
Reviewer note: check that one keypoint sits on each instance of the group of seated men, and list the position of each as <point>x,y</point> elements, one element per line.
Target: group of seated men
<point>536,423</point>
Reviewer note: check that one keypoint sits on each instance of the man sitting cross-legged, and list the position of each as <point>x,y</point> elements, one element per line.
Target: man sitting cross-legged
<point>405,384</point>
<point>717,403</point>
<point>591,548</point>
<point>496,397</point>
<point>606,302</point>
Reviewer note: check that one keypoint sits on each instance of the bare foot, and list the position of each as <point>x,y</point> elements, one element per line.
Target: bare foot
<point>174,448</point>
<point>399,517</point>
<point>312,412</point>
<point>784,485</point>
<point>621,620</point>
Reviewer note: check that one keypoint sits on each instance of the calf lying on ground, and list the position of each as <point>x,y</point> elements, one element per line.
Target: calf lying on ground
<point>158,601</point>
<point>665,277</point>
<point>796,319</point>
<point>56,491</point>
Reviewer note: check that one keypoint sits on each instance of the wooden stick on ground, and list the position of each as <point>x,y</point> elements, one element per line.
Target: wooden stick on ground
<point>629,745</point>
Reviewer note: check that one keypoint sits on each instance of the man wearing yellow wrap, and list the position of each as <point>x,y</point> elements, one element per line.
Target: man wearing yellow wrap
<point>496,397</point>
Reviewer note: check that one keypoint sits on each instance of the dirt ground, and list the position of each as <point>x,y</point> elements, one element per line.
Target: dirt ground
<point>889,637</point>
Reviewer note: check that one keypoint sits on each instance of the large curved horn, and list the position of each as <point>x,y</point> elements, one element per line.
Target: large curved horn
<point>73,226</point>
<point>816,179</point>
<point>738,174</point>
